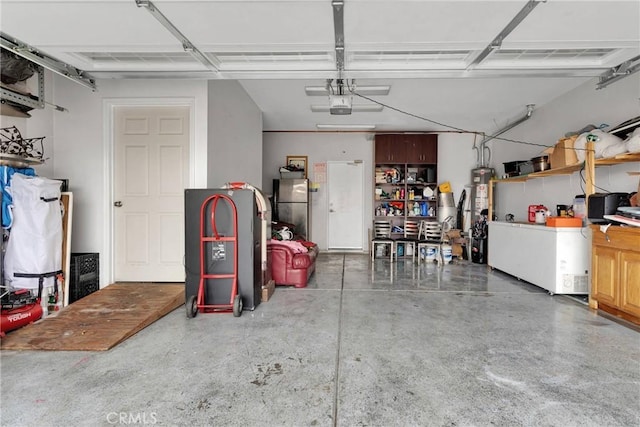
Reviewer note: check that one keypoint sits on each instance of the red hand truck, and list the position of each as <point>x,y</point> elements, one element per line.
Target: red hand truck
<point>198,302</point>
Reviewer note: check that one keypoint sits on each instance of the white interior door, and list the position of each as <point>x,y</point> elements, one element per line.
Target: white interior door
<point>150,173</point>
<point>346,197</point>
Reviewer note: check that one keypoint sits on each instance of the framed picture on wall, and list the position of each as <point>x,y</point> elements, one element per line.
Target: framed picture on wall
<point>298,163</point>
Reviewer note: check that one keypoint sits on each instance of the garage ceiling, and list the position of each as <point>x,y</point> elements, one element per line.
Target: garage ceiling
<point>423,50</point>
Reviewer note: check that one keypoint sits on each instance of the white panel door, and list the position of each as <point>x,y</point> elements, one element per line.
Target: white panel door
<point>345,194</point>
<point>151,173</point>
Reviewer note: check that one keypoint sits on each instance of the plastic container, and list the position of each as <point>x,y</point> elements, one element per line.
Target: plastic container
<point>445,187</point>
<point>85,275</point>
<point>563,221</point>
<point>431,252</point>
<point>580,208</point>
<point>447,254</point>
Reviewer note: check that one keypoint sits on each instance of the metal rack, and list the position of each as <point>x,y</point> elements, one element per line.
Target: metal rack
<point>19,152</point>
<point>28,101</point>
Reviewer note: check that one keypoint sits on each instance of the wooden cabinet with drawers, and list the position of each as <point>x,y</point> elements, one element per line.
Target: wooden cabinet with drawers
<point>615,271</point>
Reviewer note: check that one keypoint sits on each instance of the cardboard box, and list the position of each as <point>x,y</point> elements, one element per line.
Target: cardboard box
<point>267,290</point>
<point>457,241</point>
<point>563,153</point>
<point>454,234</point>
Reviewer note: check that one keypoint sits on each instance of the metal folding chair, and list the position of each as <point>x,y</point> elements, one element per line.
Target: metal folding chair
<point>382,237</point>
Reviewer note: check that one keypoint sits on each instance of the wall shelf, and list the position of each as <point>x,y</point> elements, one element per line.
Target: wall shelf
<point>16,161</point>
<point>568,170</point>
<point>621,158</point>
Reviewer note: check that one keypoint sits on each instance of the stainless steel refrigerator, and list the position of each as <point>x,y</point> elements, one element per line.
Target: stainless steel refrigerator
<point>291,204</point>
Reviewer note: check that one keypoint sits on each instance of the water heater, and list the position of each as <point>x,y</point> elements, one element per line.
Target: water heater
<point>479,191</point>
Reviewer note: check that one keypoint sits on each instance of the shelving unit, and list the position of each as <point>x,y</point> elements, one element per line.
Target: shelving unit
<point>396,201</point>
<point>405,166</point>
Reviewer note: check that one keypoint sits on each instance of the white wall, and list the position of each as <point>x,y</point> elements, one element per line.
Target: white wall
<point>79,146</point>
<point>235,135</point>
<point>584,105</point>
<point>82,149</point>
<point>456,158</point>
<point>320,147</point>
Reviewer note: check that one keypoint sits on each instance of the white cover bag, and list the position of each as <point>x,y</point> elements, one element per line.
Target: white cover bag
<point>633,142</point>
<point>35,241</point>
<point>603,140</point>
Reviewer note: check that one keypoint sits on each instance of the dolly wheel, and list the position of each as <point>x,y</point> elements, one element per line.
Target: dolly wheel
<point>192,306</point>
<point>237,306</point>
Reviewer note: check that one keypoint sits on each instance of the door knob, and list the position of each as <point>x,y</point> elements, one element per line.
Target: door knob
<point>331,210</point>
<point>117,204</point>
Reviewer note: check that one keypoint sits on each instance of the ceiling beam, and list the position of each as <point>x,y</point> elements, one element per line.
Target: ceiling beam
<point>338,30</point>
<point>49,62</point>
<point>497,41</point>
<point>619,72</point>
<point>363,90</point>
<point>186,44</point>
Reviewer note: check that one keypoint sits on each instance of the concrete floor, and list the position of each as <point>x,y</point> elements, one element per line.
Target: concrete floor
<point>362,345</point>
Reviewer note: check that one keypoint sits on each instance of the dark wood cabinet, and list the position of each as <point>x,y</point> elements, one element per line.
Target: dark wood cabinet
<point>406,149</point>
<point>390,149</point>
<point>422,149</point>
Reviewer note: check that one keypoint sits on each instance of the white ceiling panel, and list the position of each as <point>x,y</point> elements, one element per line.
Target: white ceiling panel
<point>423,50</point>
<point>571,21</point>
<point>92,23</point>
<point>239,25</point>
<point>376,23</point>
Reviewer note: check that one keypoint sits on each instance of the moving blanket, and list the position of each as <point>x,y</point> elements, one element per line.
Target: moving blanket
<point>35,243</point>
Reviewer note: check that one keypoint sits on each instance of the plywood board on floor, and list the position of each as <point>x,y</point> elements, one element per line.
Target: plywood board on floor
<point>100,320</point>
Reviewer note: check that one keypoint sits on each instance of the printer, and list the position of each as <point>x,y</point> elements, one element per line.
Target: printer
<point>601,204</point>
